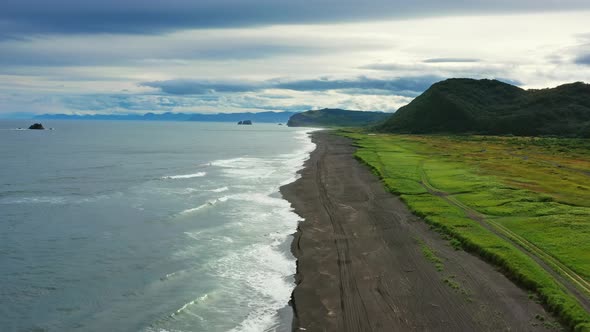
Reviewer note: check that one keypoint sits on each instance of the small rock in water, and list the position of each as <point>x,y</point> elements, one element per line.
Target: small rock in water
<point>36,126</point>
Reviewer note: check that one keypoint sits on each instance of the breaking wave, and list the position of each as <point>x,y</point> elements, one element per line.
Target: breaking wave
<point>185,176</point>
<point>203,206</point>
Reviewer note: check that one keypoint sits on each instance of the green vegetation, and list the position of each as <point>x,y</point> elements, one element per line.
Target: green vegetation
<point>493,107</point>
<point>456,244</point>
<point>450,280</point>
<point>336,118</point>
<point>522,204</point>
<point>431,256</point>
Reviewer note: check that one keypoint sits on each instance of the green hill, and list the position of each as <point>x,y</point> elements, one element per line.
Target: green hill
<point>459,106</point>
<point>336,118</point>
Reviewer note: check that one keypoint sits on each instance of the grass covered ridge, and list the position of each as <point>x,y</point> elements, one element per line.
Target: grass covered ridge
<point>462,105</point>
<point>336,118</point>
<point>498,195</point>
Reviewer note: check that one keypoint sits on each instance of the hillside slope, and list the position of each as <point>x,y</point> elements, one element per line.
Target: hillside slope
<point>494,107</point>
<point>336,118</point>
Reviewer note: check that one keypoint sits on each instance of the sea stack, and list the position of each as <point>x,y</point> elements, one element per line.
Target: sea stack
<point>36,126</point>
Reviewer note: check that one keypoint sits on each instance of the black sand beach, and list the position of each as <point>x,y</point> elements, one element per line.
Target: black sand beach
<point>361,265</point>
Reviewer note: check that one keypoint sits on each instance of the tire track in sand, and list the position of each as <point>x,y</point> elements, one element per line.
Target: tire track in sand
<point>570,280</point>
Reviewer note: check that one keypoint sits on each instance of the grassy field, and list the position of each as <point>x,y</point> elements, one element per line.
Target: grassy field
<point>521,203</point>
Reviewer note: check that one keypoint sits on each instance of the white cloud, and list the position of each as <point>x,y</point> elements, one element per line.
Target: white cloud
<point>538,50</point>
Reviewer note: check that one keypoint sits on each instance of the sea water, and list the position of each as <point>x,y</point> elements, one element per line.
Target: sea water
<point>147,226</point>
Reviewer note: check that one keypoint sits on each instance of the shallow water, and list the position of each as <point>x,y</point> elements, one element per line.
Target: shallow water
<point>140,226</point>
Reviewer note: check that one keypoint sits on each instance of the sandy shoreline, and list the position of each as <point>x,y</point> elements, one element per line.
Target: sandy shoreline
<point>361,267</point>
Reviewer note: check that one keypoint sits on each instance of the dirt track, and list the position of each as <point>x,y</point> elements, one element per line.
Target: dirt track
<point>361,265</point>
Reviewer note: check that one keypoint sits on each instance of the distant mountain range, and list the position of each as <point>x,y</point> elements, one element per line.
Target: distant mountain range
<point>262,117</point>
<point>319,118</point>
<point>453,106</point>
<point>337,118</point>
<point>460,106</point>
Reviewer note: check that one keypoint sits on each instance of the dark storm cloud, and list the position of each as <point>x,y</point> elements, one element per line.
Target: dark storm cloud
<point>400,86</point>
<point>583,59</point>
<point>196,87</point>
<point>392,66</point>
<point>30,17</point>
<point>424,65</point>
<point>105,104</point>
<point>98,102</point>
<point>404,86</point>
<point>95,56</point>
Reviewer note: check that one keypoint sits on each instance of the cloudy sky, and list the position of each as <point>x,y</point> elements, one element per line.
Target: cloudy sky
<point>136,56</point>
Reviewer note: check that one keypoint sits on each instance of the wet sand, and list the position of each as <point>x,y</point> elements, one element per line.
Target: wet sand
<point>361,267</point>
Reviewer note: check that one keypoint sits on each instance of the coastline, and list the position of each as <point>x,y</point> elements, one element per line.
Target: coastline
<point>361,262</point>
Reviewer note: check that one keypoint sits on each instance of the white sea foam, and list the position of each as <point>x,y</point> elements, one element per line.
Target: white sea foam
<point>195,209</point>
<point>253,168</point>
<point>289,180</point>
<point>264,270</point>
<point>219,190</point>
<point>34,200</point>
<point>181,309</point>
<point>246,167</point>
<point>264,267</point>
<point>156,329</point>
<point>249,257</point>
<point>185,176</point>
<point>57,200</point>
<point>187,191</point>
<point>206,205</point>
<point>261,199</point>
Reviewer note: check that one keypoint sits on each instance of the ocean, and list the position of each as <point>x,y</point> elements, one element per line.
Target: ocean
<point>147,226</point>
